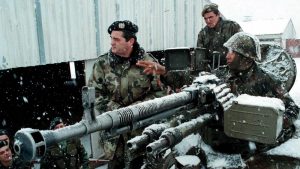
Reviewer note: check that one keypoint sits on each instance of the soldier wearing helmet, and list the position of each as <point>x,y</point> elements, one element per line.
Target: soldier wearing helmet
<point>244,76</point>
<point>216,32</point>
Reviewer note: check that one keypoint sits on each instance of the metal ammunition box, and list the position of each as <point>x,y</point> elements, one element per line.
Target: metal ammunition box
<point>177,58</point>
<point>254,123</point>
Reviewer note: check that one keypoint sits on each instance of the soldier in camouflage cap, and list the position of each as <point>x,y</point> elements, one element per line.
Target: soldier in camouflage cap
<point>119,82</point>
<point>212,37</point>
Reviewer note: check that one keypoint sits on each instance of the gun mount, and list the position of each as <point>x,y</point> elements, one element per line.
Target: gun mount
<point>32,143</point>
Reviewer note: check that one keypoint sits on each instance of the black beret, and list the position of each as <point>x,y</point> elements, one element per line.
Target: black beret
<point>3,143</point>
<point>123,26</point>
<point>55,121</point>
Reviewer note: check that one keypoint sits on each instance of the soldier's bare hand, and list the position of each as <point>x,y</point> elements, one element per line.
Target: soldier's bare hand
<point>151,67</point>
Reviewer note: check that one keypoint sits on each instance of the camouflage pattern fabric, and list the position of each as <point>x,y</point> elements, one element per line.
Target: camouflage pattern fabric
<point>118,83</point>
<point>177,79</point>
<point>213,39</point>
<point>256,82</point>
<point>66,155</point>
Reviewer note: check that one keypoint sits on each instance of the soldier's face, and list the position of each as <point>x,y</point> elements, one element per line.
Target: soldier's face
<point>5,156</point>
<point>119,45</point>
<point>58,126</point>
<point>233,60</point>
<point>211,19</point>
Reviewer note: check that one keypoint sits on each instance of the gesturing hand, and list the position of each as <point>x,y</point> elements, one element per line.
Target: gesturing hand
<point>151,67</point>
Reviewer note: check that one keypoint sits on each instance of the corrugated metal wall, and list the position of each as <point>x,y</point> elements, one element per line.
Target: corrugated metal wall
<point>37,32</point>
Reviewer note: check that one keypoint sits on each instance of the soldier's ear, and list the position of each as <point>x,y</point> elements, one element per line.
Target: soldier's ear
<point>131,40</point>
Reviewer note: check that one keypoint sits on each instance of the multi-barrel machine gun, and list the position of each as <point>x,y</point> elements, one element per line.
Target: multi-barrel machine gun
<point>203,101</point>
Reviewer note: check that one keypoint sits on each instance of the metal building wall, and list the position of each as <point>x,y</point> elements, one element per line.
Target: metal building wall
<point>38,32</point>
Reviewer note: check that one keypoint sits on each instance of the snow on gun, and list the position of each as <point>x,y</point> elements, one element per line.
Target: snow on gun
<point>32,143</point>
<point>205,95</point>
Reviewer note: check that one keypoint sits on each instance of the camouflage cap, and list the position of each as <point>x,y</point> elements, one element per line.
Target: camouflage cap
<point>3,143</point>
<point>55,121</point>
<point>212,7</point>
<point>123,26</point>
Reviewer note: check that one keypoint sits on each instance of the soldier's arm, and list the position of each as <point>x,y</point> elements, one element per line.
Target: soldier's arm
<point>200,40</point>
<point>291,109</point>
<point>96,80</point>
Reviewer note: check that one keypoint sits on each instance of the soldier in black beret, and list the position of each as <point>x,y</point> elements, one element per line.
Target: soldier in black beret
<point>119,82</point>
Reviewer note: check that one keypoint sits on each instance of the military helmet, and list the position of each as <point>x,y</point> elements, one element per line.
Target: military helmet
<point>245,44</point>
<point>55,121</point>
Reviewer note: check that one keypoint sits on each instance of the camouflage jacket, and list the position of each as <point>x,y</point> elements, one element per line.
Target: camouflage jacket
<point>69,154</point>
<point>258,83</point>
<point>212,39</point>
<point>17,164</point>
<point>119,82</point>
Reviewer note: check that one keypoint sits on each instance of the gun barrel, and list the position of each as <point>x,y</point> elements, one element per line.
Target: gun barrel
<point>149,134</point>
<point>32,143</point>
<point>172,136</point>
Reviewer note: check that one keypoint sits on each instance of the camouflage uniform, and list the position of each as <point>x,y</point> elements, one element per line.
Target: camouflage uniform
<point>118,83</point>
<point>17,164</point>
<point>212,39</point>
<point>253,81</point>
<point>68,154</point>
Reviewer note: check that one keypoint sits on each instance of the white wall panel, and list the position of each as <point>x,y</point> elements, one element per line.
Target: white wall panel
<point>36,32</point>
<point>68,29</point>
<point>18,38</point>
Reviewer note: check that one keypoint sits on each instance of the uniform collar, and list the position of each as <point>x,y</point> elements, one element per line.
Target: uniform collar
<point>137,54</point>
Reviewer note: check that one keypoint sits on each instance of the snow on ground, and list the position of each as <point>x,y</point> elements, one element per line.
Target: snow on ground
<point>290,148</point>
